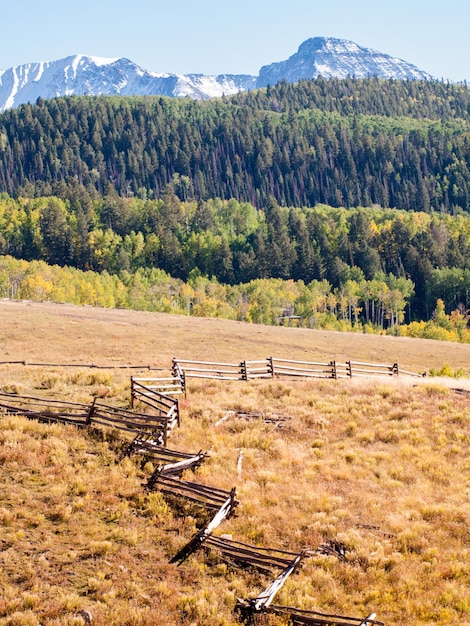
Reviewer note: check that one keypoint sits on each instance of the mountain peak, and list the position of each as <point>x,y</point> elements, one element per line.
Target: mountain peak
<point>82,74</point>
<point>337,58</point>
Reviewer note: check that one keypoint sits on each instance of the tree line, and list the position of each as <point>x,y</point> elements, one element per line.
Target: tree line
<point>236,243</point>
<point>402,144</point>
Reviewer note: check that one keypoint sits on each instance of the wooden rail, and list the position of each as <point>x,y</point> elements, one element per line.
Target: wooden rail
<point>208,369</point>
<point>209,497</point>
<point>84,365</point>
<point>264,559</point>
<point>176,468</point>
<point>256,605</point>
<point>46,410</point>
<point>169,462</point>
<point>304,369</point>
<point>166,386</point>
<point>302,617</point>
<point>256,369</point>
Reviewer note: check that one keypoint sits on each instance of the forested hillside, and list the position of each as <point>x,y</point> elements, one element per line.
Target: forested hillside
<point>379,266</point>
<point>343,143</point>
<point>264,186</point>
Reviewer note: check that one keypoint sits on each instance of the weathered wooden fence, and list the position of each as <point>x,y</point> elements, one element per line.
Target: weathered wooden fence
<point>158,393</point>
<point>262,604</point>
<point>304,369</point>
<point>204,495</point>
<point>151,432</point>
<point>208,369</point>
<point>264,559</point>
<point>169,462</point>
<point>223,513</point>
<point>96,413</point>
<point>302,617</point>
<point>84,365</point>
<point>284,368</point>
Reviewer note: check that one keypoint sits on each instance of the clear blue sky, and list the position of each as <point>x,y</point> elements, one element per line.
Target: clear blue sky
<point>212,37</point>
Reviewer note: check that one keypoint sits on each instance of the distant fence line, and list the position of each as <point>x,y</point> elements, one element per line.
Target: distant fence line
<point>86,365</point>
<point>275,367</point>
<point>269,367</point>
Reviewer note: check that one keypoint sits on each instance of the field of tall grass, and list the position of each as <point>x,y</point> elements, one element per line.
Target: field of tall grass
<point>379,465</point>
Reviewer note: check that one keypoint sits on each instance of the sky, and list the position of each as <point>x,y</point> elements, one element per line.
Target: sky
<point>239,37</point>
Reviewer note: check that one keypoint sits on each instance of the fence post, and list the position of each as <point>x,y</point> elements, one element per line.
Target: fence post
<point>165,431</point>
<point>183,382</point>
<point>178,413</point>
<point>334,373</point>
<point>132,392</point>
<point>270,365</point>
<point>395,369</point>
<point>243,370</point>
<point>90,412</point>
<point>349,369</point>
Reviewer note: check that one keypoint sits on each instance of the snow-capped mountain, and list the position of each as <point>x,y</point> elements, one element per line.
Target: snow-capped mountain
<point>88,75</point>
<point>337,58</point>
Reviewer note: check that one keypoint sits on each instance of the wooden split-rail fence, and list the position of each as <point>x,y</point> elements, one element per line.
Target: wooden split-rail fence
<point>95,413</point>
<point>302,617</point>
<point>168,462</point>
<point>151,432</point>
<point>282,368</point>
<point>262,605</point>
<point>157,426</point>
<point>197,493</point>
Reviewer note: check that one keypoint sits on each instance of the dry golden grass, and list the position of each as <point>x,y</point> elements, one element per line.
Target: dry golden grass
<point>380,465</point>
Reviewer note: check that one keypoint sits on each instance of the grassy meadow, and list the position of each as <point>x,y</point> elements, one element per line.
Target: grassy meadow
<point>381,465</point>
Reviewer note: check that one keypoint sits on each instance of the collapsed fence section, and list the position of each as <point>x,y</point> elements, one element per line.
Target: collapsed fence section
<point>47,410</point>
